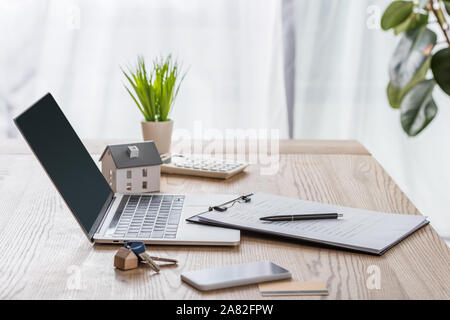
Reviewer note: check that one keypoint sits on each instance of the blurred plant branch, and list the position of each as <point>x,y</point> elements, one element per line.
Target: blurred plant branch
<point>440,17</point>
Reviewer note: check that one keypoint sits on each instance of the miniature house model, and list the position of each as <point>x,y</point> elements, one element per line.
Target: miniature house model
<point>132,167</point>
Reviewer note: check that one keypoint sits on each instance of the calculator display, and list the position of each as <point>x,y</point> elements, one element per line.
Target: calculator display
<point>65,159</point>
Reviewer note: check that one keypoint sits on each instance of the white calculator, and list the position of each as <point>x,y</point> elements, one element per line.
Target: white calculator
<point>201,166</point>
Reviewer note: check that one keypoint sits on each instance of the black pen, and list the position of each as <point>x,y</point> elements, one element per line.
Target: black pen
<point>307,216</point>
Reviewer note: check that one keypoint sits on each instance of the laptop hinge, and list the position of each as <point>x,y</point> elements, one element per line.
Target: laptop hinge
<point>101,217</point>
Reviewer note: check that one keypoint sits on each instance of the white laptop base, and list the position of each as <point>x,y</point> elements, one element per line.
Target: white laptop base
<point>160,219</point>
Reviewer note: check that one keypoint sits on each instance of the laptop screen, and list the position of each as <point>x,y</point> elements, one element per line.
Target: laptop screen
<point>66,160</point>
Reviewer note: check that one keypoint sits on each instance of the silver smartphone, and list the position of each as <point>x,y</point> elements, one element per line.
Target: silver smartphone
<point>235,275</point>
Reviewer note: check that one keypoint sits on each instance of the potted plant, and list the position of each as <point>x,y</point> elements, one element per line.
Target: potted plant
<point>154,94</point>
<point>411,84</point>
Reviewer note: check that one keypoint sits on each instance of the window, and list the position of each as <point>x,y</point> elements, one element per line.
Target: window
<point>110,177</point>
<point>128,174</point>
<point>144,184</point>
<point>144,172</point>
<point>128,186</point>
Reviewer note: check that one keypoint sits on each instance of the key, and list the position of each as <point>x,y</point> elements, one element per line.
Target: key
<point>139,249</point>
<point>168,260</point>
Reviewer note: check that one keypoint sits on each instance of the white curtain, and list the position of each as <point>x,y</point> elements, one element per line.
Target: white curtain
<point>74,49</point>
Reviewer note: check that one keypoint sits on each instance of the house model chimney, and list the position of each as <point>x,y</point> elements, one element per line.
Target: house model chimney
<point>133,151</point>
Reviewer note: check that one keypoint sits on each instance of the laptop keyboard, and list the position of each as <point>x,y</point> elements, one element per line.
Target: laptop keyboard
<point>147,216</point>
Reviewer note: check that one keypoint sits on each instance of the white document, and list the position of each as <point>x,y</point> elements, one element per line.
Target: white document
<point>358,229</point>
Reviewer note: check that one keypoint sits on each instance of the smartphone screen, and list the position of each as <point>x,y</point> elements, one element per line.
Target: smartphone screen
<point>235,275</point>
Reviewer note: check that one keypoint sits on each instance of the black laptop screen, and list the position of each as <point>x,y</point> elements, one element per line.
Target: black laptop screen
<point>66,160</point>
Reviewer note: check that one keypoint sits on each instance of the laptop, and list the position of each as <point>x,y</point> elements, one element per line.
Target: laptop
<point>105,216</point>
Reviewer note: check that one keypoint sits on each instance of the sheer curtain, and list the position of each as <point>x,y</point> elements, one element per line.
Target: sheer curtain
<point>340,80</point>
<point>230,49</point>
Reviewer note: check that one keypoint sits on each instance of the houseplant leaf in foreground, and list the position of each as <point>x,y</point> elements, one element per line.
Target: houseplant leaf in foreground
<point>440,65</point>
<point>410,54</point>
<point>414,21</point>
<point>418,108</point>
<point>396,13</point>
<point>395,95</point>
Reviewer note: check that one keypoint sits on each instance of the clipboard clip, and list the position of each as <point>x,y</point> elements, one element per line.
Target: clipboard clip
<point>224,206</point>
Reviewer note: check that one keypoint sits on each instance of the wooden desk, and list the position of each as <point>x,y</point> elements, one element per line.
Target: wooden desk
<point>45,254</point>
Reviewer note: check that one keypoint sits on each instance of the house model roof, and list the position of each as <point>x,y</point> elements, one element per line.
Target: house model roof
<point>147,154</point>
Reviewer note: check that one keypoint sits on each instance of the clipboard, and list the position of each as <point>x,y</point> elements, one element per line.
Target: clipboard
<point>361,230</point>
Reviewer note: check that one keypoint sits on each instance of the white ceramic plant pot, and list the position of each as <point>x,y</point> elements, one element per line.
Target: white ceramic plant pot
<point>160,132</point>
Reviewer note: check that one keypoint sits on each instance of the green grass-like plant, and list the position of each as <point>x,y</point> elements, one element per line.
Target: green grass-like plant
<point>155,92</point>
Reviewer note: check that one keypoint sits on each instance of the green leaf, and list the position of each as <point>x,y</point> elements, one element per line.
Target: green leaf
<point>411,53</point>
<point>447,6</point>
<point>418,108</point>
<point>440,65</point>
<point>144,112</point>
<point>396,13</point>
<point>414,21</point>
<point>154,91</point>
<point>395,95</point>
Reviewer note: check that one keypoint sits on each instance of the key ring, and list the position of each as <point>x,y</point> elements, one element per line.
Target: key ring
<point>136,246</point>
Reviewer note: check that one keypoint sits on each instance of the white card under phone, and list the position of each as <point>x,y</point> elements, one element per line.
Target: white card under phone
<point>235,275</point>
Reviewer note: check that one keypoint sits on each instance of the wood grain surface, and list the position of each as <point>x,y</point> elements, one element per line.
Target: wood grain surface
<point>46,256</point>
<point>96,146</point>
